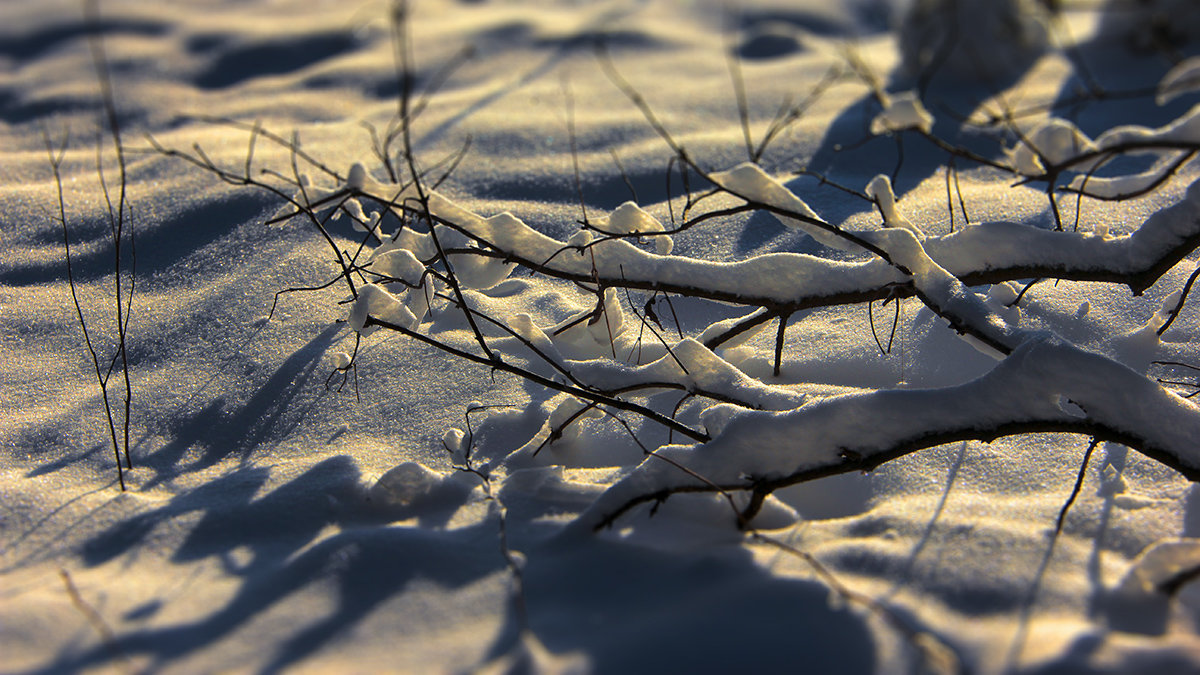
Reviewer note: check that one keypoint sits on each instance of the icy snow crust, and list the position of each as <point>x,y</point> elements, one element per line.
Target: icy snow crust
<point>297,501</point>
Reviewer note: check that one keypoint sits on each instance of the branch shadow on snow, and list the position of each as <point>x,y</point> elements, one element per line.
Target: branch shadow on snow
<point>232,63</point>
<point>1118,68</point>
<point>849,155</point>
<point>159,248</point>
<point>663,612</point>
<point>653,604</point>
<point>367,562</point>
<point>274,410</point>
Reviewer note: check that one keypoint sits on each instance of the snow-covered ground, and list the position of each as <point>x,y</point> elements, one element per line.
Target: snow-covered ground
<point>283,513</point>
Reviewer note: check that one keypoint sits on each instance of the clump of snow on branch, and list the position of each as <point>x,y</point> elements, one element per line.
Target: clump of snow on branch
<point>749,182</point>
<point>1027,386</point>
<point>399,264</point>
<point>1171,142</point>
<point>880,189</point>
<point>1053,142</point>
<point>374,301</point>
<point>900,112</point>
<point>629,218</point>
<point>1182,79</point>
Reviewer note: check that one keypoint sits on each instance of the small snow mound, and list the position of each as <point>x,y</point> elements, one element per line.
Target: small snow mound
<point>405,485</point>
<point>1002,294</point>
<point>456,444</point>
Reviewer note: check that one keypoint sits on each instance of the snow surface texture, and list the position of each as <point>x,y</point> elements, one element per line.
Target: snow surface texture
<point>314,489</point>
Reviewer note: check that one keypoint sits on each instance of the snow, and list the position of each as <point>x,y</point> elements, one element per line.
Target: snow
<point>752,184</point>
<point>629,218</point>
<point>902,111</point>
<point>399,264</point>
<point>1053,141</point>
<point>373,301</point>
<point>1183,78</point>
<point>311,492</point>
<point>880,189</point>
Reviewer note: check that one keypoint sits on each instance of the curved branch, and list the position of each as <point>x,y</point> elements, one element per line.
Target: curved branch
<point>860,432</point>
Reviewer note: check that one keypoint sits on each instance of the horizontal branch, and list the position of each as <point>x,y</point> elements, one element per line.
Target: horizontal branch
<point>761,452</point>
<point>786,282</point>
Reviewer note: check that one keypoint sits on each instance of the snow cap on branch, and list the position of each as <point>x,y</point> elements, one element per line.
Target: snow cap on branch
<point>749,182</point>
<point>1055,141</point>
<point>374,301</point>
<point>400,264</point>
<point>900,112</point>
<point>1184,78</point>
<point>629,218</point>
<point>880,189</point>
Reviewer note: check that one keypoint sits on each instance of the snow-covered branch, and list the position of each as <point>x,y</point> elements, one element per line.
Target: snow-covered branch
<point>987,253</point>
<point>1045,385</point>
<point>753,434</point>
